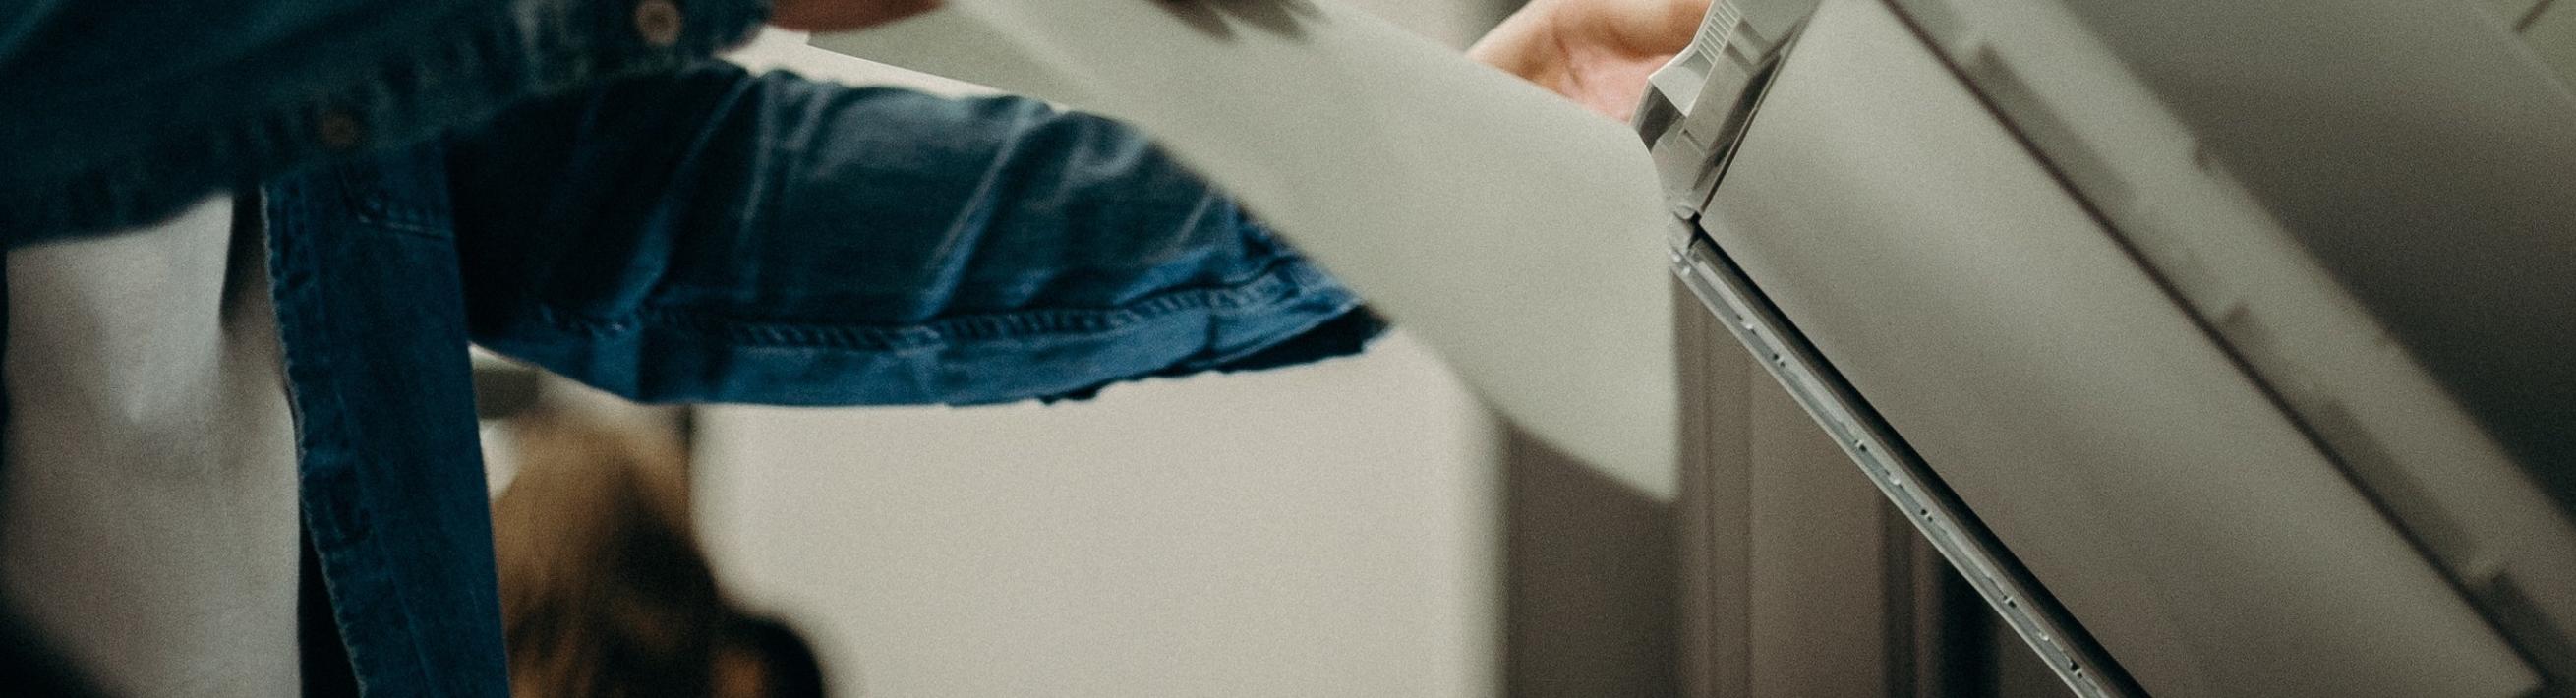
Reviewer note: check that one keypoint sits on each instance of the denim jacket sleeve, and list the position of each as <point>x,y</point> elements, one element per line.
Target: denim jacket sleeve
<point>710,235</point>
<point>115,113</point>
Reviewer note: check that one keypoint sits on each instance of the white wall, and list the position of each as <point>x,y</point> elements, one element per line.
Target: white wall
<point>1324,531</point>
<point>1330,530</point>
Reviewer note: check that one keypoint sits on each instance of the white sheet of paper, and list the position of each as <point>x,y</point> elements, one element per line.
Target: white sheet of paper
<point>1516,233</point>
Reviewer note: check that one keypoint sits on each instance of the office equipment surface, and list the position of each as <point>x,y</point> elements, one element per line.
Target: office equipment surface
<point>2217,342</point>
<point>2202,338</point>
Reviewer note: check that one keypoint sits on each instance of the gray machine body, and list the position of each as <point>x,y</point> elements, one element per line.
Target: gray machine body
<point>2219,344</point>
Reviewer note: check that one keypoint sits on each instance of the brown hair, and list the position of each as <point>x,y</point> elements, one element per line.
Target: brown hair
<point>605,592</point>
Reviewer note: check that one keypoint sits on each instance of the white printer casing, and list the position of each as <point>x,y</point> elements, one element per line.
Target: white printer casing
<point>2219,345</point>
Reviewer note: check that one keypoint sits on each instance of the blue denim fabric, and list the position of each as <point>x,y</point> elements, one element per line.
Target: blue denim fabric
<point>114,114</point>
<point>709,235</point>
<point>702,234</point>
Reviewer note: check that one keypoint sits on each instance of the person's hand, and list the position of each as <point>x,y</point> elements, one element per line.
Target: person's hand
<point>1595,52</point>
<point>843,15</point>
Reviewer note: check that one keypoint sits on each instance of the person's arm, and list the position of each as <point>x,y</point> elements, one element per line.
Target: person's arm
<point>710,235</point>
<point>1522,240</point>
<point>716,236</point>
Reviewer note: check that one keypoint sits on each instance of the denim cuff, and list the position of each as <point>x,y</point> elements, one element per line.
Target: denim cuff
<point>1289,314</point>
<point>132,153</point>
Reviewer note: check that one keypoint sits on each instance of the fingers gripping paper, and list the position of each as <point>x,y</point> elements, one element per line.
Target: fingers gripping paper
<point>1511,230</point>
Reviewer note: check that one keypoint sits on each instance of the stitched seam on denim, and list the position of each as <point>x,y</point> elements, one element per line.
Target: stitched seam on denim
<point>321,431</point>
<point>1280,285</point>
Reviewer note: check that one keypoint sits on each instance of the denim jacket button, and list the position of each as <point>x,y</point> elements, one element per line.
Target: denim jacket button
<point>658,21</point>
<point>339,131</point>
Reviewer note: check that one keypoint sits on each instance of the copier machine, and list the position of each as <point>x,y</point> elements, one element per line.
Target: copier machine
<point>2224,347</point>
